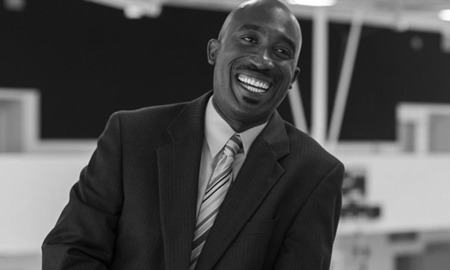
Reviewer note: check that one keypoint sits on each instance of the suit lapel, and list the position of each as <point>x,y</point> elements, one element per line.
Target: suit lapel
<point>256,178</point>
<point>178,164</point>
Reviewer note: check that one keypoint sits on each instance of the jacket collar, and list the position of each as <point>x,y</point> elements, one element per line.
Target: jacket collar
<point>178,167</point>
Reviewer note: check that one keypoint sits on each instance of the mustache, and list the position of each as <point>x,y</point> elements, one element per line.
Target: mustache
<point>253,68</point>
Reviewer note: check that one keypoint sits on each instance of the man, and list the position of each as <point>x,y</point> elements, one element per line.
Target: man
<point>141,201</point>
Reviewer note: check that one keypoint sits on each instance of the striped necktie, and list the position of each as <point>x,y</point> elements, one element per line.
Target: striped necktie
<point>215,193</point>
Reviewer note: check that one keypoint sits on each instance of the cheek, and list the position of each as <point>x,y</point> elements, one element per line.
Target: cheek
<point>288,75</point>
<point>220,77</point>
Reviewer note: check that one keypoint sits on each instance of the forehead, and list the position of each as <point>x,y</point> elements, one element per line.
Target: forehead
<point>265,18</point>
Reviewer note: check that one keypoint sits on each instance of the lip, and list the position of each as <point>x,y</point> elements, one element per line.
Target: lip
<point>254,84</point>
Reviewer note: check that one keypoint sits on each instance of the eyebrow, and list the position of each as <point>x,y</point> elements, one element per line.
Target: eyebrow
<point>258,28</point>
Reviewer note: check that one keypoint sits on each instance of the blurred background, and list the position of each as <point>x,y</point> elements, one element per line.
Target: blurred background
<point>374,90</point>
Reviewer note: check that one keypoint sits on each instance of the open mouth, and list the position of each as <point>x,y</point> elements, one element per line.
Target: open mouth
<point>253,84</point>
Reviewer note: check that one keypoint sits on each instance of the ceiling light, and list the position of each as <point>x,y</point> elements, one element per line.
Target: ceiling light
<point>444,14</point>
<point>133,12</point>
<point>314,3</point>
<point>14,5</point>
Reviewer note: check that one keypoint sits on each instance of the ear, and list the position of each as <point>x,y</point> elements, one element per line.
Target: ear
<point>294,78</point>
<point>213,47</point>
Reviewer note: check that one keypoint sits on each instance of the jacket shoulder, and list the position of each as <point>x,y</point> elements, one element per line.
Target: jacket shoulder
<point>304,145</point>
<point>156,117</point>
<point>151,113</point>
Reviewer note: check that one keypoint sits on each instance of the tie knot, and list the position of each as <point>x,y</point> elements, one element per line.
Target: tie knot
<point>233,145</point>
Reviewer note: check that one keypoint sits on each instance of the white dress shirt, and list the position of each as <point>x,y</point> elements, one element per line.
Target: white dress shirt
<point>217,133</point>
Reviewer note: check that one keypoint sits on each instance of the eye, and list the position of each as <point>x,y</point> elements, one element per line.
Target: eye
<point>283,51</point>
<point>249,39</point>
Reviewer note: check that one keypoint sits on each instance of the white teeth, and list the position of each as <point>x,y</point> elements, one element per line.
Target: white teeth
<point>253,85</point>
<point>253,89</point>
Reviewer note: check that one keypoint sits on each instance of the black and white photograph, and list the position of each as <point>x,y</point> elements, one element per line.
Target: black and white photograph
<point>224,134</point>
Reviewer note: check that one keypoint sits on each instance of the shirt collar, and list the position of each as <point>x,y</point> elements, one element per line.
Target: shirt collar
<point>218,131</point>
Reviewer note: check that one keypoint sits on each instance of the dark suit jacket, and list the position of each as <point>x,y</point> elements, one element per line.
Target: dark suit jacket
<point>134,206</point>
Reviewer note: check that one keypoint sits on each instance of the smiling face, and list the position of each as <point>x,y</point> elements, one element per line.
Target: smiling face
<point>254,62</point>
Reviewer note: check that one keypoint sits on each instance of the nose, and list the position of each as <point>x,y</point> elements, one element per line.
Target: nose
<point>262,59</point>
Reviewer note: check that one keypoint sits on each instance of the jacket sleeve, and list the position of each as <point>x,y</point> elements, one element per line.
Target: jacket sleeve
<point>309,241</point>
<point>84,235</point>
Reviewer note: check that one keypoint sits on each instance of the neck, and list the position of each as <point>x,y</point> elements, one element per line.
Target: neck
<point>236,125</point>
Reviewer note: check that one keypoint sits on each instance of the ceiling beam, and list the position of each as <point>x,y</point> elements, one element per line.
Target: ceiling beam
<point>422,18</point>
